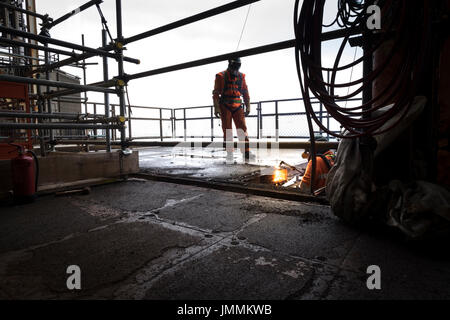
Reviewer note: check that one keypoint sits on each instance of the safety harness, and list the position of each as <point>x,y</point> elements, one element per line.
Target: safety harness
<point>327,161</point>
<point>234,86</point>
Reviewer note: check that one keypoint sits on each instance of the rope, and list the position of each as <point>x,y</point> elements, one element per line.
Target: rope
<point>351,74</point>
<point>243,27</point>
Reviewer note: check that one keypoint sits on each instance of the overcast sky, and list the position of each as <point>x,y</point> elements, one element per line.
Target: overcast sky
<point>269,76</point>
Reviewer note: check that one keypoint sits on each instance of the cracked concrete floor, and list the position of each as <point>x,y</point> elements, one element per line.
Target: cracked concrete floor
<point>154,240</point>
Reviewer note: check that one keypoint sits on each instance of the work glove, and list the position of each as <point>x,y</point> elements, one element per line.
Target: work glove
<point>216,109</point>
<point>247,110</point>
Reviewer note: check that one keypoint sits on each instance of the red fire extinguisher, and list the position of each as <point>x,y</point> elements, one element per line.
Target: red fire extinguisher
<point>25,175</point>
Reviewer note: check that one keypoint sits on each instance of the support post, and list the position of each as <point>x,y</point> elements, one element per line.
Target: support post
<point>185,123</point>
<point>49,101</point>
<point>212,123</point>
<point>276,121</point>
<point>105,78</point>
<point>119,51</point>
<point>160,125</point>
<point>40,109</point>
<point>84,78</point>
<point>258,120</point>
<point>172,117</point>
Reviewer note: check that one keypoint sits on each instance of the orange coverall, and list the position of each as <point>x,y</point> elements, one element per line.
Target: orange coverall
<point>322,170</point>
<point>228,90</point>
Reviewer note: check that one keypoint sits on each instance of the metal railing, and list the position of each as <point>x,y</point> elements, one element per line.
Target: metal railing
<point>269,119</point>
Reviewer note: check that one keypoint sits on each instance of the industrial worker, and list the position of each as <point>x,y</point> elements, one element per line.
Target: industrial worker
<point>324,162</point>
<point>229,86</point>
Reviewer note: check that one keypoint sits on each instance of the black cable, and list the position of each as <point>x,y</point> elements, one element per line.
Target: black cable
<point>410,33</point>
<point>409,27</point>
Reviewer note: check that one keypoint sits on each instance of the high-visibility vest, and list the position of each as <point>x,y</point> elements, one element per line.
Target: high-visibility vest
<point>232,90</point>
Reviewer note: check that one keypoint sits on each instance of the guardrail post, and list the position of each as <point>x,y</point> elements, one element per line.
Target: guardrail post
<point>184,120</point>
<point>321,116</point>
<point>113,113</point>
<point>328,126</point>
<point>160,125</point>
<point>173,120</point>
<point>95,114</point>
<point>260,127</point>
<point>106,96</point>
<point>212,123</point>
<point>276,121</point>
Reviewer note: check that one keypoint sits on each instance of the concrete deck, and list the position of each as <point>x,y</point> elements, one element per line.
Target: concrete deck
<point>154,240</point>
<point>211,164</point>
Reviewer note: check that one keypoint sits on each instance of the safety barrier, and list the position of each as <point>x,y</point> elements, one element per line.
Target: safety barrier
<point>274,120</point>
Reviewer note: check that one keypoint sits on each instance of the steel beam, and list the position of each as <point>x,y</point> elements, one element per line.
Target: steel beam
<point>57,42</point>
<point>56,125</point>
<point>243,53</point>
<point>200,16</point>
<point>59,93</point>
<point>323,145</point>
<point>35,46</point>
<point>57,84</point>
<point>42,39</point>
<point>67,116</point>
<point>170,26</point>
<point>30,13</point>
<point>223,57</point>
<point>72,13</point>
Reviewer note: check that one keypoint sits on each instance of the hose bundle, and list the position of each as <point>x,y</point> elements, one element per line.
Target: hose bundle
<point>409,28</point>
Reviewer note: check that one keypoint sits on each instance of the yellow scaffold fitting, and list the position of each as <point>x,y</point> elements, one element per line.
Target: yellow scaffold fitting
<point>119,45</point>
<point>120,83</point>
<point>122,119</point>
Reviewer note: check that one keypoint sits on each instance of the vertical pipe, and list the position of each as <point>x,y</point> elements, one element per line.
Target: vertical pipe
<point>84,79</point>
<point>113,113</point>
<point>84,83</point>
<point>185,124</point>
<point>212,123</point>
<point>258,119</point>
<point>105,78</point>
<point>119,50</point>
<point>95,114</point>
<point>174,122</point>
<point>261,121</point>
<point>130,135</point>
<point>32,27</point>
<point>58,101</point>
<point>328,116</point>
<point>160,125</point>
<point>321,116</point>
<point>40,110</point>
<point>48,101</point>
<point>276,121</point>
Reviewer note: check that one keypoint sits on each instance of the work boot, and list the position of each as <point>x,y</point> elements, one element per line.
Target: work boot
<point>249,156</point>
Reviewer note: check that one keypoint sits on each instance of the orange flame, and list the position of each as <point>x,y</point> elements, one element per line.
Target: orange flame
<point>280,175</point>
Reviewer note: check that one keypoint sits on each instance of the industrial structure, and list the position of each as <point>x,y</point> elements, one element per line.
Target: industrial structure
<point>391,167</point>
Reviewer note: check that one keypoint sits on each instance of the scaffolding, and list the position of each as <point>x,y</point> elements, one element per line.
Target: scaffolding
<point>15,37</point>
